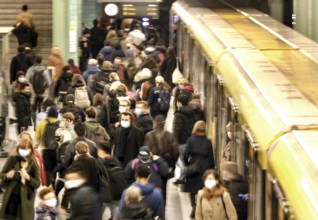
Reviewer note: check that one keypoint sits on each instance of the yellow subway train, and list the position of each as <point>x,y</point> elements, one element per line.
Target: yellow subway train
<point>258,80</point>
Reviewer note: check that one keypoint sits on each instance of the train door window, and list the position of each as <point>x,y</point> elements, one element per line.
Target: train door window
<point>257,182</point>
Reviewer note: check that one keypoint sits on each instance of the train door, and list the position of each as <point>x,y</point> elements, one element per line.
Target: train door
<point>256,180</point>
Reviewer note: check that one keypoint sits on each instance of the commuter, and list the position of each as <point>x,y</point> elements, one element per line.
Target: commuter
<point>44,135</point>
<point>95,47</point>
<point>97,81</point>
<point>41,83</point>
<point>74,67</point>
<point>63,83</point>
<point>117,53</point>
<point>152,195</point>
<point>63,138</point>
<point>29,56</point>
<point>94,131</point>
<point>147,72</point>
<point>236,186</point>
<point>92,68</point>
<point>20,175</point>
<point>46,209</point>
<point>125,104</point>
<point>67,124</point>
<point>144,118</point>
<point>136,35</point>
<point>16,85</point>
<point>197,152</point>
<point>184,119</point>
<point>152,36</point>
<point>138,55</point>
<point>168,66</point>
<point>128,139</point>
<point>134,208</point>
<point>46,104</point>
<point>56,60</point>
<point>23,107</point>
<point>83,95</point>
<point>159,98</point>
<point>113,39</point>
<point>113,79</point>
<point>78,112</point>
<point>161,51</point>
<point>17,64</point>
<point>25,17</point>
<point>85,45</point>
<point>85,203</point>
<point>98,102</point>
<point>195,104</point>
<point>163,143</point>
<point>213,201</point>
<point>107,51</point>
<point>117,180</point>
<point>184,87</point>
<point>70,151</point>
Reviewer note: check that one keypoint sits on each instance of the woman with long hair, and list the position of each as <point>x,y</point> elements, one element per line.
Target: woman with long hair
<point>213,201</point>
<point>20,176</point>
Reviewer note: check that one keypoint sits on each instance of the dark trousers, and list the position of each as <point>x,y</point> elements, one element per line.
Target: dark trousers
<point>50,161</point>
<point>36,107</point>
<point>13,207</point>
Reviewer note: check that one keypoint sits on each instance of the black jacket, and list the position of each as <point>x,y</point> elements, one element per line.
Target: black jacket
<point>168,66</point>
<point>184,120</point>
<point>17,64</point>
<point>23,108</point>
<point>145,123</point>
<point>63,83</point>
<point>135,211</point>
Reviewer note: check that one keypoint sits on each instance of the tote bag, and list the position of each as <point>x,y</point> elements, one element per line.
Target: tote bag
<point>176,75</point>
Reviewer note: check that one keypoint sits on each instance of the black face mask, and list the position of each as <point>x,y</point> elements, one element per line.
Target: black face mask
<point>57,138</point>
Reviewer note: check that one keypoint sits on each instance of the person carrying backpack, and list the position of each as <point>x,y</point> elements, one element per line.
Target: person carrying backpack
<point>117,179</point>
<point>82,93</point>
<point>45,135</point>
<point>159,98</point>
<point>41,83</point>
<point>98,81</point>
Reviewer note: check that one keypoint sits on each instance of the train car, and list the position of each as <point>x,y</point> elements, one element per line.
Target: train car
<point>257,80</point>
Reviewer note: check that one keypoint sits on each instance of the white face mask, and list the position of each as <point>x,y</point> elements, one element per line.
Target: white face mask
<point>73,183</point>
<point>138,111</point>
<point>229,134</point>
<point>209,184</point>
<point>125,124</point>
<point>122,109</point>
<point>24,153</point>
<point>51,202</point>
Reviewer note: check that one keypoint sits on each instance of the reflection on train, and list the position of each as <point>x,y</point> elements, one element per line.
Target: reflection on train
<point>258,82</point>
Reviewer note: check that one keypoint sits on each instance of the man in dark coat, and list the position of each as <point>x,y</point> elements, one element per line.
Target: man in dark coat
<point>17,64</point>
<point>144,119</point>
<point>128,139</point>
<point>80,129</point>
<point>184,119</point>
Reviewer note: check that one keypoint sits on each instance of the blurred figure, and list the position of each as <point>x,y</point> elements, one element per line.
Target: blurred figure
<point>134,208</point>
<point>17,64</point>
<point>67,124</point>
<point>168,66</point>
<point>85,203</point>
<point>25,17</point>
<point>213,201</point>
<point>74,68</point>
<point>62,84</point>
<point>92,68</point>
<point>46,104</point>
<point>236,186</point>
<point>136,34</point>
<point>47,206</point>
<point>79,113</point>
<point>24,28</point>
<point>152,195</point>
<point>56,60</point>
<point>20,176</point>
<point>144,118</point>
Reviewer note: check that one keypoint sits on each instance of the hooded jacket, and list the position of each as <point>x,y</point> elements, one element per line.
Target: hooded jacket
<point>152,198</point>
<point>184,120</point>
<point>90,70</point>
<point>135,211</point>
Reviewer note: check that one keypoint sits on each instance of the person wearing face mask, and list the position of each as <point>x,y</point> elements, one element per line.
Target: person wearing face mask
<point>128,139</point>
<point>67,123</point>
<point>213,201</point>
<point>23,107</point>
<point>143,117</point>
<point>84,201</point>
<point>47,207</point>
<point>20,176</point>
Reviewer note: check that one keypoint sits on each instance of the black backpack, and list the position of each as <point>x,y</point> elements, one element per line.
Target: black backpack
<point>117,181</point>
<point>49,135</point>
<point>163,99</point>
<point>38,82</point>
<point>100,79</point>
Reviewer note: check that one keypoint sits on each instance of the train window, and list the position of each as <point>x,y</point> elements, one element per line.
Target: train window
<point>279,209</point>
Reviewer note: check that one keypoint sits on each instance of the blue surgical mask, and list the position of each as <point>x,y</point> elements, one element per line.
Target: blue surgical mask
<point>24,153</point>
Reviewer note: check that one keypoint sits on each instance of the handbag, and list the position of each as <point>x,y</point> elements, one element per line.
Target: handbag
<point>192,169</point>
<point>176,75</point>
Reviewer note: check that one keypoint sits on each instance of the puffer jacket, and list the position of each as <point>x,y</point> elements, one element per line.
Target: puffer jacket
<point>184,120</point>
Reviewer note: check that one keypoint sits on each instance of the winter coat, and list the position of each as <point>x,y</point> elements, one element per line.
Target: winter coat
<point>70,150</point>
<point>23,108</point>
<point>86,204</point>
<point>164,144</point>
<point>39,132</point>
<point>197,148</point>
<point>184,120</point>
<point>152,198</point>
<point>145,123</point>
<point>107,51</point>
<point>167,68</point>
<point>92,126</point>
<point>78,112</point>
<point>154,103</point>
<point>134,141</point>
<point>27,190</point>
<point>17,63</point>
<point>45,212</point>
<point>214,209</point>
<point>90,70</point>
<point>159,171</point>
<point>57,62</point>
<point>63,83</point>
<point>135,211</point>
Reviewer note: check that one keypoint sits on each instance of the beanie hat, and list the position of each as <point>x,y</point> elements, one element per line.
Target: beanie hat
<point>144,154</point>
<point>52,112</point>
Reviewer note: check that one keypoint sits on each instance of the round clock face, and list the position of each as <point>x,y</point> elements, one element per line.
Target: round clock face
<point>111,9</point>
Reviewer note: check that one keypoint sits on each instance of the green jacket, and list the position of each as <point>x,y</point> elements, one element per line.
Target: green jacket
<point>27,190</point>
<point>93,128</point>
